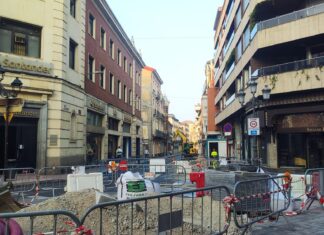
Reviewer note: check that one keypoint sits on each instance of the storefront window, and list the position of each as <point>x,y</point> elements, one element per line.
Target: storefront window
<point>94,119</point>
<point>113,124</point>
<point>126,127</point>
<point>93,148</point>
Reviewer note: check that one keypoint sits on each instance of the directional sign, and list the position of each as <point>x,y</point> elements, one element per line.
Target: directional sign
<point>253,126</point>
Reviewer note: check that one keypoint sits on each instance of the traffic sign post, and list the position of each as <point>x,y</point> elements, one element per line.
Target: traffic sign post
<point>253,126</point>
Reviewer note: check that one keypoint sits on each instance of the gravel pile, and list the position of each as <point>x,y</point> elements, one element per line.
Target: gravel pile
<point>79,202</point>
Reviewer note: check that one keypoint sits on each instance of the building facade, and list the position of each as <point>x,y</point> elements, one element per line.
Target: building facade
<point>277,44</point>
<point>45,53</point>
<point>154,113</point>
<point>112,85</point>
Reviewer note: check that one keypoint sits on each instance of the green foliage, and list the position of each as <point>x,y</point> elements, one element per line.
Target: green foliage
<point>273,81</point>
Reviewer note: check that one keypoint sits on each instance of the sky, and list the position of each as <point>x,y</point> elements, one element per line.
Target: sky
<point>176,38</point>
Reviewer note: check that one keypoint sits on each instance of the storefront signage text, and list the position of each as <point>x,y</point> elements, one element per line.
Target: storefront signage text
<point>20,64</point>
<point>315,129</point>
<point>97,106</point>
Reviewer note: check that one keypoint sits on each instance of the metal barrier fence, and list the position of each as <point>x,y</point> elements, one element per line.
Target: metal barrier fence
<point>22,180</point>
<point>178,212</point>
<point>314,190</point>
<point>54,179</point>
<point>256,200</point>
<point>60,221</point>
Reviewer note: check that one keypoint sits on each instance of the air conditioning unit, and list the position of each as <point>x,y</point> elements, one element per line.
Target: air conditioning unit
<point>20,39</point>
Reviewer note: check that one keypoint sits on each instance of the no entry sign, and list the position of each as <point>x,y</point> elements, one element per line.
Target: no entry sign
<point>253,126</point>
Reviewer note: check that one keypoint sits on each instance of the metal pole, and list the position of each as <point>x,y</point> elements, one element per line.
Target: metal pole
<point>254,139</point>
<point>5,164</point>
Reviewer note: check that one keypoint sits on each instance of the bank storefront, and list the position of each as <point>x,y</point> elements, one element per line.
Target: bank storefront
<point>95,130</point>
<point>301,140</point>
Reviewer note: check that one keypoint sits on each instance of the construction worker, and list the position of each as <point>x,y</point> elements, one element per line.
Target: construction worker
<point>214,155</point>
<point>119,152</point>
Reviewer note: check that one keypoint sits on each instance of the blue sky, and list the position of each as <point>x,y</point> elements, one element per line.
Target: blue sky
<point>176,38</point>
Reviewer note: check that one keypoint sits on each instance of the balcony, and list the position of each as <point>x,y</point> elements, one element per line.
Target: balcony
<point>283,19</point>
<point>292,66</point>
<point>159,134</point>
<point>294,76</point>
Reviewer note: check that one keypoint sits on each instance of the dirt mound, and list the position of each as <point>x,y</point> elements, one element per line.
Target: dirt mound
<point>138,216</point>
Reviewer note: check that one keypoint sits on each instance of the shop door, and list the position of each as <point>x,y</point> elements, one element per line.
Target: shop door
<point>316,150</point>
<point>112,146</point>
<point>22,142</point>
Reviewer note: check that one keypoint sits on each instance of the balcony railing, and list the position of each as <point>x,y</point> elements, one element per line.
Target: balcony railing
<point>160,134</point>
<point>313,10</point>
<point>292,66</point>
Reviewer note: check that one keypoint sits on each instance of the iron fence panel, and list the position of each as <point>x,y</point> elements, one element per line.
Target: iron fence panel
<point>22,180</point>
<point>178,212</point>
<point>62,222</point>
<point>258,199</point>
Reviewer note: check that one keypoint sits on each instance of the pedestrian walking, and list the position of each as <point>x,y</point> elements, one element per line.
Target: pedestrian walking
<point>146,153</point>
<point>119,152</point>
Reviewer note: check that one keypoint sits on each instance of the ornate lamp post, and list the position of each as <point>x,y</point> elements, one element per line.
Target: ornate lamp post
<point>9,98</point>
<point>255,103</point>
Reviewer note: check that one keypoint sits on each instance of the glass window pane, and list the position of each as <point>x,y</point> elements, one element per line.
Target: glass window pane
<point>5,40</point>
<point>33,46</point>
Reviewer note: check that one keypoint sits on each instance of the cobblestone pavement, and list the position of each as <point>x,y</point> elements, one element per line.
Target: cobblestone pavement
<point>309,222</point>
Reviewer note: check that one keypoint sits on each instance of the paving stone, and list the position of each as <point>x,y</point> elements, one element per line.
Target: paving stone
<point>309,222</point>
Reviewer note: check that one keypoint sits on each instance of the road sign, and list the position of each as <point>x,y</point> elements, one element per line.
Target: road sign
<point>227,128</point>
<point>253,126</point>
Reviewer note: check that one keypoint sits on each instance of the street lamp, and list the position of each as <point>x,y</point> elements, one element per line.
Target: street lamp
<point>9,96</point>
<point>255,102</point>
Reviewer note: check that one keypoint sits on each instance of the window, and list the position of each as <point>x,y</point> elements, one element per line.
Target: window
<point>119,90</point>
<point>102,81</point>
<point>136,75</point>
<point>91,68</point>
<point>72,7</point>
<point>125,94</point>
<point>91,29</point>
<point>246,37</point>
<point>19,38</point>
<point>94,119</point>
<point>239,50</point>
<point>72,52</point>
<point>112,49</point>
<point>130,97</point>
<point>131,70</point>
<point>113,124</point>
<point>126,127</point>
<point>136,102</point>
<point>238,17</point>
<point>73,128</point>
<point>102,39</point>
<point>111,83</point>
<point>125,64</point>
<point>119,58</point>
